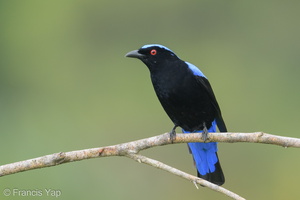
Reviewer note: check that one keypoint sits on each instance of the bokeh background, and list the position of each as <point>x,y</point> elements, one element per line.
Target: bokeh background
<point>65,85</point>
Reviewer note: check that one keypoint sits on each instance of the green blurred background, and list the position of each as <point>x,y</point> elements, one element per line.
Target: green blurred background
<point>65,85</point>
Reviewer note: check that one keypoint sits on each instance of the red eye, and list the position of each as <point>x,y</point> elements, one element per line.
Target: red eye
<point>153,52</point>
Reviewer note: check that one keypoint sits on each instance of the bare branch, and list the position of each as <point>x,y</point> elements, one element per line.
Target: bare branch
<point>193,179</point>
<point>131,149</point>
<point>257,137</point>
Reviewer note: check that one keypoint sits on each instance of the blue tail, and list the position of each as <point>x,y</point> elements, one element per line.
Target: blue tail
<point>206,159</point>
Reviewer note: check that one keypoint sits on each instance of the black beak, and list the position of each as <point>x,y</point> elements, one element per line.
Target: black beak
<point>134,54</point>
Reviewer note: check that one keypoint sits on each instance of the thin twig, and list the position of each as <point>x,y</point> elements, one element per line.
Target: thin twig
<point>193,179</point>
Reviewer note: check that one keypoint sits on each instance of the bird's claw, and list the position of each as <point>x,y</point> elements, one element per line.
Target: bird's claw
<point>204,133</point>
<point>173,134</point>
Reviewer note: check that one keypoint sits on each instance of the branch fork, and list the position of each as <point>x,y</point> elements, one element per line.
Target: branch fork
<point>131,150</point>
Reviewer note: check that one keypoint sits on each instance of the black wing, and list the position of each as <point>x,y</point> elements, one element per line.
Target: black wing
<point>219,119</point>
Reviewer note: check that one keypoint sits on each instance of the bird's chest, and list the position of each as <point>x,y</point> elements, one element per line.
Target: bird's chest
<point>178,90</point>
<point>167,85</point>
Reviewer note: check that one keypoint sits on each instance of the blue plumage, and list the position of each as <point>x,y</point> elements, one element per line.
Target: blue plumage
<point>196,71</point>
<point>157,45</point>
<point>204,154</point>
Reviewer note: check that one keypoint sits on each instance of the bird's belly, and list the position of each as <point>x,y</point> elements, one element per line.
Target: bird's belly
<point>188,113</point>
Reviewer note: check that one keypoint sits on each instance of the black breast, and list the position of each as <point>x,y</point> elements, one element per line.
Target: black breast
<point>184,99</point>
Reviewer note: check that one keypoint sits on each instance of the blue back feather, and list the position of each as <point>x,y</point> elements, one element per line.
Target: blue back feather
<point>204,154</point>
<point>195,70</point>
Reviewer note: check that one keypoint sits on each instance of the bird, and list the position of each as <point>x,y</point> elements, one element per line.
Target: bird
<point>188,99</point>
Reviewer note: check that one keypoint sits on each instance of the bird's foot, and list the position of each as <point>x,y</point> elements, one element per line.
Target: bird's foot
<point>204,133</point>
<point>173,133</point>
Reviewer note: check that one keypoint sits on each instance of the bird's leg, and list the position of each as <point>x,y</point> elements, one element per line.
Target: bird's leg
<point>173,133</point>
<point>205,132</point>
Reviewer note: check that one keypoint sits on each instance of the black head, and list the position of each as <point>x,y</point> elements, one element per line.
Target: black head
<point>153,55</point>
